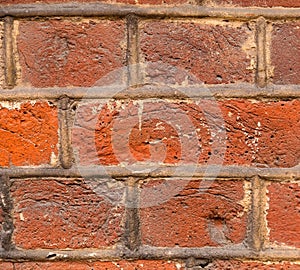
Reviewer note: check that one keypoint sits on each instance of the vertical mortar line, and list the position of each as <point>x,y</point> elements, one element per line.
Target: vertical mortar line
<point>261,68</point>
<point>65,153</point>
<point>132,223</point>
<point>10,65</point>
<point>7,208</point>
<point>132,54</point>
<point>258,224</point>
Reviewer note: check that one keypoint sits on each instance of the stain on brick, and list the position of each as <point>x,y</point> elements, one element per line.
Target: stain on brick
<point>285,53</point>
<point>69,53</point>
<point>259,3</point>
<point>283,215</point>
<point>195,219</point>
<point>64,214</point>
<point>28,133</point>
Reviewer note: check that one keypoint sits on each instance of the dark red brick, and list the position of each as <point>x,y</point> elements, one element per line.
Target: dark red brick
<point>285,53</point>
<point>65,214</point>
<point>28,133</point>
<point>259,3</point>
<point>257,133</point>
<point>133,265</point>
<point>192,219</point>
<point>283,216</point>
<point>233,265</point>
<point>69,53</point>
<point>213,53</point>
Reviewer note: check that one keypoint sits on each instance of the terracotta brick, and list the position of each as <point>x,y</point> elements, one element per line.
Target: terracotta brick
<point>257,133</point>
<point>28,133</point>
<point>285,53</point>
<point>69,53</point>
<point>2,79</point>
<point>259,3</point>
<point>6,266</point>
<point>232,265</point>
<point>215,217</point>
<point>213,53</point>
<point>283,214</point>
<point>133,265</point>
<point>70,213</point>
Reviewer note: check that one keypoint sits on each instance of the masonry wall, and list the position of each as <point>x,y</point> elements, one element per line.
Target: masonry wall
<point>149,134</point>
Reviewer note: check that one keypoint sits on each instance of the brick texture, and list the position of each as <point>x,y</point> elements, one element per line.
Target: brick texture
<point>285,53</point>
<point>6,266</point>
<point>69,53</point>
<point>28,133</point>
<point>2,79</point>
<point>194,219</point>
<point>213,53</point>
<point>65,214</point>
<point>149,2</point>
<point>257,133</point>
<point>283,214</point>
<point>232,265</point>
<point>259,3</point>
<point>147,265</point>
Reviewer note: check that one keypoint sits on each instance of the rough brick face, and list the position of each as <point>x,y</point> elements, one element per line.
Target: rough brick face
<point>69,53</point>
<point>153,2</point>
<point>285,53</point>
<point>193,219</point>
<point>212,53</point>
<point>233,265</point>
<point>28,134</point>
<point>6,266</point>
<point>283,215</point>
<point>257,133</point>
<point>65,214</point>
<point>1,56</point>
<point>259,3</point>
<point>147,265</point>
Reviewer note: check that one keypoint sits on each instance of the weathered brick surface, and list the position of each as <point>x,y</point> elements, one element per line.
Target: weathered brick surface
<point>257,133</point>
<point>259,3</point>
<point>28,133</point>
<point>69,53</point>
<point>153,2</point>
<point>233,265</point>
<point>193,218</point>
<point>285,53</point>
<point>65,214</point>
<point>213,53</point>
<point>147,265</point>
<point>1,56</point>
<point>283,214</point>
<point>6,266</point>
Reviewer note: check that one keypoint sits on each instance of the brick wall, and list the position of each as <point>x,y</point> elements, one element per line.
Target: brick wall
<point>149,134</point>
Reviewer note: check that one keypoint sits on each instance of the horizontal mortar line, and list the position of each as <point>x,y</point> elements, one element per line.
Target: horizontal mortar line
<point>102,9</point>
<point>154,91</point>
<point>150,253</point>
<point>160,171</point>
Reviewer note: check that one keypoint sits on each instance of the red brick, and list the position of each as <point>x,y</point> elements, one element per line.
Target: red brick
<point>257,133</point>
<point>283,215</point>
<point>285,53</point>
<point>6,266</point>
<point>1,56</point>
<point>193,219</point>
<point>233,265</point>
<point>28,134</point>
<point>212,53</point>
<point>147,265</point>
<point>65,214</point>
<point>153,2</point>
<point>259,3</point>
<point>69,53</point>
